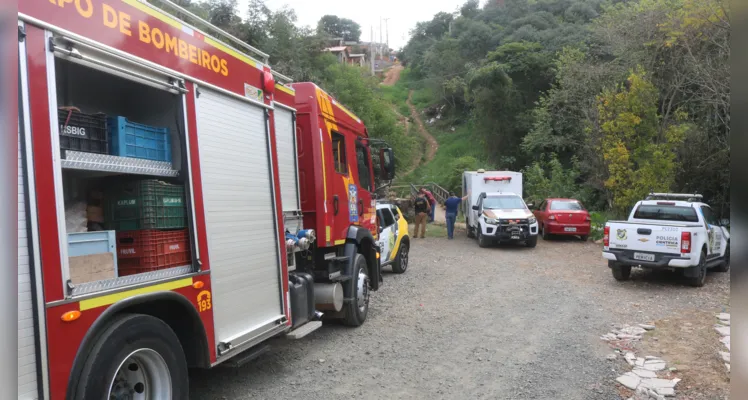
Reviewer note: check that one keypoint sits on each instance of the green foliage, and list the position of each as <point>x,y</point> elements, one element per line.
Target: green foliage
<point>456,149</point>
<point>453,181</point>
<point>640,156</point>
<point>362,95</point>
<point>338,27</point>
<point>598,221</point>
<point>549,178</point>
<point>529,76</point>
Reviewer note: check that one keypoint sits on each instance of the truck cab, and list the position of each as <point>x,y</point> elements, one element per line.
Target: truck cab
<point>336,184</point>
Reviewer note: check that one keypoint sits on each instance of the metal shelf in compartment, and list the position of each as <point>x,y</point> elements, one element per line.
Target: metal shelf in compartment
<point>120,165</point>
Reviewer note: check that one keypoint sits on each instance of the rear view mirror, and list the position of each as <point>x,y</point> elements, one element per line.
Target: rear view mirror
<point>387,164</point>
<point>476,208</point>
<point>531,206</point>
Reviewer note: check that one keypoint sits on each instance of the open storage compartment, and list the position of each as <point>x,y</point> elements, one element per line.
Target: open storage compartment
<point>124,175</point>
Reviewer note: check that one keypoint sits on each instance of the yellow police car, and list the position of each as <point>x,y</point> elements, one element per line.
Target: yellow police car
<point>394,241</point>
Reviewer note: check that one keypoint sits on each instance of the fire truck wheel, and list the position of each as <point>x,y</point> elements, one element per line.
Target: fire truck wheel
<point>357,309</point>
<point>137,355</point>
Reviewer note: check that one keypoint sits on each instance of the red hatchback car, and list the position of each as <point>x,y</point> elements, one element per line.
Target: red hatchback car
<point>563,217</point>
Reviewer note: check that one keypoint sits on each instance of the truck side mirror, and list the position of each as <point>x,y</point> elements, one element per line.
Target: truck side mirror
<point>531,206</point>
<point>387,164</point>
<point>476,208</point>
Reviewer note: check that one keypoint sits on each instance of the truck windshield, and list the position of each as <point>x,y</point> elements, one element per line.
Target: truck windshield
<point>504,202</point>
<point>666,213</point>
<point>566,205</point>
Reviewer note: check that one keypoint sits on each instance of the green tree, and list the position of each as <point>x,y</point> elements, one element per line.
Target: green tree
<point>639,152</point>
<point>548,177</point>
<point>456,169</point>
<point>337,27</point>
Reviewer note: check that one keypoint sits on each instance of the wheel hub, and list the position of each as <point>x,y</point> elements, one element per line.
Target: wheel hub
<point>363,290</point>
<point>142,375</point>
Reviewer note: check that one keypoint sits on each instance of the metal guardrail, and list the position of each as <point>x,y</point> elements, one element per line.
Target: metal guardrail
<point>439,192</point>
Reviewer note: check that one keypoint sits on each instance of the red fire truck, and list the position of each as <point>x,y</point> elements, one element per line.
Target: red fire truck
<point>251,212</point>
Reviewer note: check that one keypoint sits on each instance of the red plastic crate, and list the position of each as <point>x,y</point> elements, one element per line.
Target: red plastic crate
<point>152,250</point>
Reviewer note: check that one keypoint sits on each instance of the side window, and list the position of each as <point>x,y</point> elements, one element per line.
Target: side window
<point>364,174</point>
<point>396,212</point>
<point>380,219</point>
<point>338,153</point>
<point>389,219</point>
<point>708,215</point>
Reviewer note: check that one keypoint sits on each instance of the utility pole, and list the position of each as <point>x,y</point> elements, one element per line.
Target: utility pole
<point>380,37</point>
<point>371,51</point>
<point>387,30</point>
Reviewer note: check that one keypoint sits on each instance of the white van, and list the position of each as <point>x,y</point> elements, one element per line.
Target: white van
<point>495,211</point>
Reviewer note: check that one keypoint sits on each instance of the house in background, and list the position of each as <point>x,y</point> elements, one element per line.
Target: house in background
<point>341,52</point>
<point>357,59</point>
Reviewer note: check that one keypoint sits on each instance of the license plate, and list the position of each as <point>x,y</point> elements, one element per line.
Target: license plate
<point>644,257</point>
<point>515,236</point>
<point>570,229</point>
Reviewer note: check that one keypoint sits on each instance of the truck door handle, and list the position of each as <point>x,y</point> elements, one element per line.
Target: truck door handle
<point>360,207</point>
<point>335,204</point>
<point>643,231</point>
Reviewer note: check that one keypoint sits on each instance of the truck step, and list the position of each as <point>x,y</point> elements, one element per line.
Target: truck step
<point>304,330</point>
<point>247,356</point>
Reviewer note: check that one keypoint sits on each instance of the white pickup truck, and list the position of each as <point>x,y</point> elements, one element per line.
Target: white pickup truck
<point>668,231</point>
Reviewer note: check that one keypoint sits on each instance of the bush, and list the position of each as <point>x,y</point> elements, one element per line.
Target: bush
<point>599,219</point>
<point>548,178</point>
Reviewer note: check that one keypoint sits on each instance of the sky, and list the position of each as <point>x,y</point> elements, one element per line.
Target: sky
<point>403,14</point>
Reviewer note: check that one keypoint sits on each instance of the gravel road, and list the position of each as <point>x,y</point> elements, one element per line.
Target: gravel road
<point>465,322</point>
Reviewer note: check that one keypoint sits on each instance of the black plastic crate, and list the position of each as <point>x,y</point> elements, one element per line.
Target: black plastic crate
<point>83,132</point>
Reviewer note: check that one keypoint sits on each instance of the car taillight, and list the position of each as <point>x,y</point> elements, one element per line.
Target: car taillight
<point>587,218</point>
<point>552,217</point>
<point>606,236</point>
<point>685,242</point>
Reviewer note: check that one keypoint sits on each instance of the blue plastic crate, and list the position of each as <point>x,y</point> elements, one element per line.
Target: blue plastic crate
<point>130,139</point>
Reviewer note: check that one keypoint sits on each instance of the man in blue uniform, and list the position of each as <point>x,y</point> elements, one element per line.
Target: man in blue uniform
<point>453,205</point>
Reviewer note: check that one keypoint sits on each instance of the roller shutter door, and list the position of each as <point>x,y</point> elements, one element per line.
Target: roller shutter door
<point>27,373</point>
<point>286,146</point>
<point>239,215</point>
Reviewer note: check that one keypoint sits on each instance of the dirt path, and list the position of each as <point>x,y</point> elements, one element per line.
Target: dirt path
<point>431,144</point>
<point>392,75</point>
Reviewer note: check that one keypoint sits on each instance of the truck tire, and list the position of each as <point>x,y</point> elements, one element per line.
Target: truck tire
<point>482,241</point>
<point>401,262</point>
<point>725,266</point>
<point>136,354</point>
<point>700,278</point>
<point>357,309</point>
<point>469,229</point>
<point>532,241</point>
<point>620,272</point>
